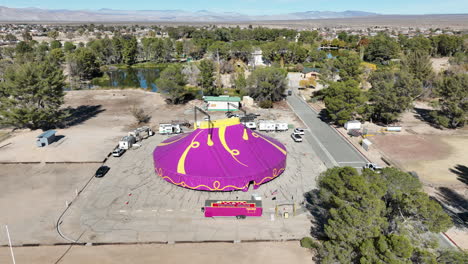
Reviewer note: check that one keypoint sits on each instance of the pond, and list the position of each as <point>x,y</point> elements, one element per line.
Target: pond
<point>144,78</point>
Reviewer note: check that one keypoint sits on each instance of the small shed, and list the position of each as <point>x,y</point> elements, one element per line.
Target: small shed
<point>222,103</point>
<point>366,144</point>
<point>308,72</point>
<point>45,138</point>
<point>353,124</point>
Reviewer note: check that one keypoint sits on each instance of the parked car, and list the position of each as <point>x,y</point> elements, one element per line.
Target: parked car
<point>372,166</point>
<point>102,171</point>
<point>299,131</point>
<point>296,137</point>
<point>289,92</point>
<point>251,125</point>
<point>118,152</point>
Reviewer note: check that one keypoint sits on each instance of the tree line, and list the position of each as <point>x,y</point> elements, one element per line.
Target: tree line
<point>377,217</point>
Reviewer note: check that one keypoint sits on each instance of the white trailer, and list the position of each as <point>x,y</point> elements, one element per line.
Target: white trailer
<point>266,126</point>
<point>353,124</point>
<point>127,142</point>
<point>281,126</point>
<point>393,129</point>
<point>167,129</point>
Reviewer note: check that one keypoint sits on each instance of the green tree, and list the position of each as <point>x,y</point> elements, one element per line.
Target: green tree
<point>172,82</point>
<point>26,36</point>
<point>453,92</point>
<point>206,77</point>
<point>267,84</point>
<point>419,64</point>
<point>56,56</point>
<point>179,48</point>
<point>83,64</point>
<point>391,94</point>
<point>69,47</point>
<point>344,101</point>
<point>23,47</point>
<point>381,49</point>
<point>349,66</point>
<point>240,83</point>
<point>365,215</point>
<point>32,94</point>
<point>129,51</point>
<point>55,44</point>
<point>10,37</point>
<point>452,257</point>
<point>53,34</point>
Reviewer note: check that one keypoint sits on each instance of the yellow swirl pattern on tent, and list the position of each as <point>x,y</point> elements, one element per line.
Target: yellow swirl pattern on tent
<point>216,184</point>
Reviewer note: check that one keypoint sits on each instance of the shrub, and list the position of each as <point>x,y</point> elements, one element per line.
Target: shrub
<point>308,242</point>
<point>140,115</point>
<point>265,104</point>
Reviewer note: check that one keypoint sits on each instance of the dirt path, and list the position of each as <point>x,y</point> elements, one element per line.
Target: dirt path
<point>206,253</point>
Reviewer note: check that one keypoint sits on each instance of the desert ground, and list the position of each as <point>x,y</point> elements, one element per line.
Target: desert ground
<point>453,21</point>
<point>209,253</point>
<point>131,203</point>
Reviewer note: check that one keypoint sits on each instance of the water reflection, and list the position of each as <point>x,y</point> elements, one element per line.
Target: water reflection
<point>140,77</point>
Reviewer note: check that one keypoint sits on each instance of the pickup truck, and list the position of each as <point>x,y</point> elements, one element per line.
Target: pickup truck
<point>372,166</point>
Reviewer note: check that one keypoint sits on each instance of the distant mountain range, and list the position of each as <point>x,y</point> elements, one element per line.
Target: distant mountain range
<point>110,15</point>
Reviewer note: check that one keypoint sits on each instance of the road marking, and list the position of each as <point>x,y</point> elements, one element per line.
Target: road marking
<point>154,210</point>
<point>139,210</point>
<point>330,157</point>
<point>169,210</point>
<point>122,211</point>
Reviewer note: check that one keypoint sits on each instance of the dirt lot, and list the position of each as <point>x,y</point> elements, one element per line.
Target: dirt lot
<point>99,120</point>
<point>440,159</point>
<point>157,210</point>
<point>33,196</point>
<point>132,204</point>
<point>207,253</point>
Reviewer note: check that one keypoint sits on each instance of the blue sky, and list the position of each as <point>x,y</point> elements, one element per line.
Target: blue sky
<point>255,7</point>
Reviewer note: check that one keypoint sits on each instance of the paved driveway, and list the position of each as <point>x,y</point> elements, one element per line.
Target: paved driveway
<point>332,149</point>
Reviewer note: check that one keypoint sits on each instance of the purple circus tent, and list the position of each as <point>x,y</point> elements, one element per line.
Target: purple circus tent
<point>225,156</point>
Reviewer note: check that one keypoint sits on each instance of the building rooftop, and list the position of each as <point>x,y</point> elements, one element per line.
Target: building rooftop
<point>222,98</point>
<point>308,69</point>
<point>47,134</point>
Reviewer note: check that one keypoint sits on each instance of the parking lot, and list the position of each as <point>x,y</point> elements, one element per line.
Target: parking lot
<point>132,204</point>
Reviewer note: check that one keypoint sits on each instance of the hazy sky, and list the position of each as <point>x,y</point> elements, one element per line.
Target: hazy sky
<point>257,6</point>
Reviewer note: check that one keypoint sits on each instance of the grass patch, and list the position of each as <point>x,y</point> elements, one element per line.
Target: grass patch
<point>101,81</point>
<point>308,242</point>
<point>151,65</point>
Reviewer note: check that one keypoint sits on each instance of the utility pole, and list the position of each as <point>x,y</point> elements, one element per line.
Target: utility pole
<point>218,81</point>
<point>9,242</point>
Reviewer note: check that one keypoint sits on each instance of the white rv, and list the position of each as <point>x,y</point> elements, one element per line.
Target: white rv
<point>167,129</point>
<point>127,142</point>
<point>266,126</point>
<point>281,126</point>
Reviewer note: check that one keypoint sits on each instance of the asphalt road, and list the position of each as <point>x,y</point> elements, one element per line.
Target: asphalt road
<point>331,147</point>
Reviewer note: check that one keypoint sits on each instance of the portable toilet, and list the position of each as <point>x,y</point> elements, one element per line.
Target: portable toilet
<point>366,144</point>
<point>45,138</point>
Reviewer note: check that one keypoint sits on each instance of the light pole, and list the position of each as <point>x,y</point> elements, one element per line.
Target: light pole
<point>9,242</point>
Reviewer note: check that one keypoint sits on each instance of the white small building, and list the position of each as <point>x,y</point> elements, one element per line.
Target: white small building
<point>127,142</point>
<point>353,124</point>
<point>366,144</point>
<point>257,59</point>
<point>222,103</point>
